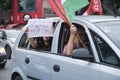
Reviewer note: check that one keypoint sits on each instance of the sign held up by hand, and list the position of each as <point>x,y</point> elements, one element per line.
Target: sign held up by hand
<point>40,27</point>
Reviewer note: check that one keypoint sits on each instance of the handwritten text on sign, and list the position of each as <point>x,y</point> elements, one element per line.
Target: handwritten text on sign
<point>40,28</point>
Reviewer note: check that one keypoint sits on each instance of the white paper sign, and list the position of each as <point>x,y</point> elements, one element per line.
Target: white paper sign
<point>40,27</point>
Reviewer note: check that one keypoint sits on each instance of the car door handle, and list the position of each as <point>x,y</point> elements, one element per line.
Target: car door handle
<point>27,60</point>
<point>56,68</point>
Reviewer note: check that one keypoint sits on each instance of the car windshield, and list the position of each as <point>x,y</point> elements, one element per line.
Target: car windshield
<point>112,30</point>
<point>12,33</point>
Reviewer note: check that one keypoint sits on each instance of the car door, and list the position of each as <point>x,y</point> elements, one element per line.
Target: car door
<point>37,65</point>
<point>68,68</point>
<point>109,61</point>
<point>32,62</point>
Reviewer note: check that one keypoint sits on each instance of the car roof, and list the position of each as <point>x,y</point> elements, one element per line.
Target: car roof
<point>94,19</point>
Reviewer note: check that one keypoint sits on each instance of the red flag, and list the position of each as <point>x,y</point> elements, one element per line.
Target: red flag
<point>66,8</point>
<point>56,9</point>
<point>94,6</point>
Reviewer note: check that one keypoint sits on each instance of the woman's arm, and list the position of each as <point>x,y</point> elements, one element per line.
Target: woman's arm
<point>70,44</point>
<point>33,42</point>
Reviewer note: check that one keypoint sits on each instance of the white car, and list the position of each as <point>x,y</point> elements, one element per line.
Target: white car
<point>3,57</point>
<point>99,60</point>
<point>8,39</point>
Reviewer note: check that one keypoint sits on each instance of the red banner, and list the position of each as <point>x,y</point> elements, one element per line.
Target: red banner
<point>95,6</point>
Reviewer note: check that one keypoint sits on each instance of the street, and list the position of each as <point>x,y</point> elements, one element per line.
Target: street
<point>5,72</point>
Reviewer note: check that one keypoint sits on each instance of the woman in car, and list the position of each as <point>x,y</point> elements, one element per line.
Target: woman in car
<point>73,42</point>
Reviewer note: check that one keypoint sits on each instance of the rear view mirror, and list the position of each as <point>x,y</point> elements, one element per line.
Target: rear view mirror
<point>82,53</point>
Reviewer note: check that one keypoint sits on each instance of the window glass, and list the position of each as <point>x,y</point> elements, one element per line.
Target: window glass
<point>106,54</point>
<point>26,5</point>
<point>23,42</point>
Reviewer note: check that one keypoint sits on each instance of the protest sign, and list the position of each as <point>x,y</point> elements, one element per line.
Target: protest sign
<point>40,27</point>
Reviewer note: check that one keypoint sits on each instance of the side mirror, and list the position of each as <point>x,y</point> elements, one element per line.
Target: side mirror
<point>1,35</point>
<point>82,53</point>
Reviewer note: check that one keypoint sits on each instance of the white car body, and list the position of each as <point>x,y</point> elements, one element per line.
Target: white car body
<point>30,64</point>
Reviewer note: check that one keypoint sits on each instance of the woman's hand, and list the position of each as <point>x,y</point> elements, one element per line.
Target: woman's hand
<point>73,29</point>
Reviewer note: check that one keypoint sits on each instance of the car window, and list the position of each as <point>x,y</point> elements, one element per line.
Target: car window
<point>24,41</point>
<point>64,37</point>
<point>106,53</point>
<point>84,37</point>
<point>43,43</point>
